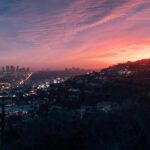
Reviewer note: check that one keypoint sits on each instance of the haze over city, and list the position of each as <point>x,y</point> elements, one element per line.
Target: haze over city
<point>56,34</point>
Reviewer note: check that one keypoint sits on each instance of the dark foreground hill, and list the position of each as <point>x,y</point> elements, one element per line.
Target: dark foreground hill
<point>108,110</point>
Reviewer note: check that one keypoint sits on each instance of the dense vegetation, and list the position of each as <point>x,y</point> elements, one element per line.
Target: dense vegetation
<point>124,128</point>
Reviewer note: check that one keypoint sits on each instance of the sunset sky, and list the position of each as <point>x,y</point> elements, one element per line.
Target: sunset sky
<point>56,34</point>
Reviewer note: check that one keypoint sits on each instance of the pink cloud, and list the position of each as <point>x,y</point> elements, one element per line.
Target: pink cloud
<point>85,33</point>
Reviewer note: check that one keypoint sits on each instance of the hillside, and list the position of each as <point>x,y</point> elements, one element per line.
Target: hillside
<point>107,110</point>
<point>140,68</point>
<point>120,83</point>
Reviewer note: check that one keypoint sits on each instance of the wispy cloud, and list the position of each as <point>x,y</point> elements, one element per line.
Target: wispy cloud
<point>80,33</point>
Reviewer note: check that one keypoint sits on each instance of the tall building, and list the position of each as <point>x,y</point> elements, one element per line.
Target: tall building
<point>7,68</point>
<point>17,68</point>
<point>12,68</point>
<point>3,69</point>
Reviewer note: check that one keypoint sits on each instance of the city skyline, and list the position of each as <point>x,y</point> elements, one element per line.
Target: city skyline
<point>55,34</point>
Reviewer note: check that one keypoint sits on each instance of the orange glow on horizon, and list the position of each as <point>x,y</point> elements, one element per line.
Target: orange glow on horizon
<point>80,33</point>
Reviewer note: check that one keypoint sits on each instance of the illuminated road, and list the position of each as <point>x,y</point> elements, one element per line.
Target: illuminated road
<point>24,80</point>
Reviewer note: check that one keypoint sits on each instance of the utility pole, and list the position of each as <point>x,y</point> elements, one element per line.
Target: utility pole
<point>2,120</point>
<point>2,103</point>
